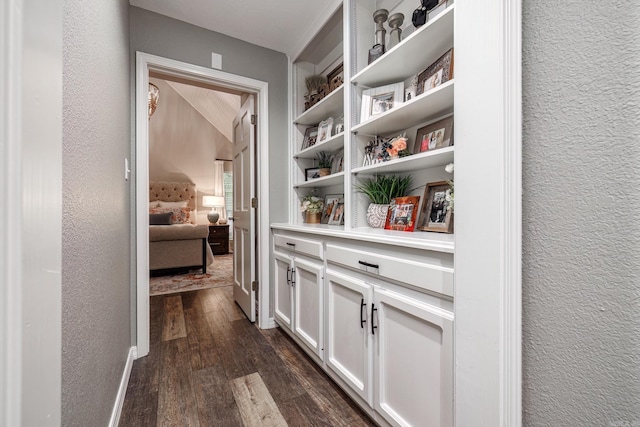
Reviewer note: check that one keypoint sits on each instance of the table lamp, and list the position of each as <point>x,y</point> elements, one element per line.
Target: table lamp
<point>213,202</point>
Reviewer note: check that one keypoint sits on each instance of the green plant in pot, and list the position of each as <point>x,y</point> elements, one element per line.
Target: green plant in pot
<point>324,163</point>
<point>381,190</point>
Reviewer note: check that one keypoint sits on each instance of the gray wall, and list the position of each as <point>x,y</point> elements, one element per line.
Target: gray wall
<point>581,251</point>
<point>169,38</point>
<point>96,218</point>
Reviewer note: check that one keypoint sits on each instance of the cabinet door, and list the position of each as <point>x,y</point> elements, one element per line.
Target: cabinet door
<point>308,291</point>
<point>348,337</point>
<point>413,371</point>
<point>283,289</point>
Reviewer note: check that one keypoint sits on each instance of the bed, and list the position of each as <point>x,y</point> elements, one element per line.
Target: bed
<point>176,242</point>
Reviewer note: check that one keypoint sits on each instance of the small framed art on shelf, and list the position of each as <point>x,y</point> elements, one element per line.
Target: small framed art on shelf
<point>381,99</point>
<point>436,214</point>
<point>310,137</point>
<point>434,135</point>
<point>324,129</point>
<point>331,202</point>
<point>402,213</point>
<point>437,73</point>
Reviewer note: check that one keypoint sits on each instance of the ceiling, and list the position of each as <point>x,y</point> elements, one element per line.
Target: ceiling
<point>282,25</point>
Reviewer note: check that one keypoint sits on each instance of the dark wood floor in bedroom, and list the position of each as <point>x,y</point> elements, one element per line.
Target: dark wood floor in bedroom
<point>209,366</point>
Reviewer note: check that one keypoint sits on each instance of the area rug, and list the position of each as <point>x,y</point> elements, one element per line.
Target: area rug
<point>219,274</point>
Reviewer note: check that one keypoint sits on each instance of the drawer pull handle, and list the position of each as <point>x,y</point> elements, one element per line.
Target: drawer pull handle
<point>363,316</point>
<point>293,277</point>
<point>293,245</point>
<point>368,264</point>
<point>288,279</point>
<point>373,328</point>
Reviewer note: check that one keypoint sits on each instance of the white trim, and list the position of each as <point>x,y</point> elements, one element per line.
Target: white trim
<point>122,390</point>
<point>144,63</point>
<point>10,219</point>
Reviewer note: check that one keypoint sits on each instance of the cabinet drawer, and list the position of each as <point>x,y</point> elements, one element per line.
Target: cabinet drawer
<point>299,245</point>
<point>426,276</point>
<point>219,231</point>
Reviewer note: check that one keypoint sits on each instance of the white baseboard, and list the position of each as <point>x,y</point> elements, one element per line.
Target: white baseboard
<point>122,390</point>
<point>271,323</point>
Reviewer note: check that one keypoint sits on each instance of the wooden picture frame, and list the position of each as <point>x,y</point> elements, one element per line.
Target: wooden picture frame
<point>441,71</point>
<point>402,213</point>
<point>435,214</point>
<point>310,137</point>
<point>435,135</point>
<point>325,129</point>
<point>381,99</point>
<point>331,201</point>
<point>311,173</point>
<point>335,78</point>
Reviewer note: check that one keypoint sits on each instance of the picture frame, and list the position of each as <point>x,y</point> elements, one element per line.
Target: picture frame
<point>381,99</point>
<point>337,215</point>
<point>310,137</point>
<point>434,136</point>
<point>441,71</point>
<point>435,214</point>
<point>335,77</point>
<point>337,161</point>
<point>402,213</point>
<point>311,173</point>
<point>331,201</point>
<point>324,129</point>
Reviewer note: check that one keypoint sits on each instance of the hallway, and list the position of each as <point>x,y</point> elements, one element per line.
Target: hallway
<point>208,366</point>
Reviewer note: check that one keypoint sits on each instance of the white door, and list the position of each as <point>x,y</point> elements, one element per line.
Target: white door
<point>243,213</point>
<point>348,337</point>
<point>414,361</point>
<point>308,290</point>
<point>283,274</point>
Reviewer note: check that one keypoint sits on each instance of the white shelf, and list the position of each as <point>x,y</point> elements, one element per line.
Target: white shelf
<point>420,109</point>
<point>332,144</point>
<point>431,241</point>
<point>415,53</point>
<point>414,162</point>
<point>327,107</point>
<point>325,181</point>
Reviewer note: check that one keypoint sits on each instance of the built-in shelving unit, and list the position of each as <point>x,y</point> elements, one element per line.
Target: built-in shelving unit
<point>429,159</point>
<point>325,181</point>
<point>328,106</point>
<point>331,144</point>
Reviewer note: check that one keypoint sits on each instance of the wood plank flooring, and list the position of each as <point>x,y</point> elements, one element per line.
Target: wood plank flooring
<point>209,366</point>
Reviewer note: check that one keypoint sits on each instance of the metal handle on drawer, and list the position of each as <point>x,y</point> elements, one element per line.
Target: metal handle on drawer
<point>373,328</point>
<point>288,279</point>
<point>293,277</point>
<point>367,264</point>
<point>293,245</point>
<point>363,316</point>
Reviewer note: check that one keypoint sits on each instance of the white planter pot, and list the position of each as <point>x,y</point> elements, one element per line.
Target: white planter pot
<point>377,215</point>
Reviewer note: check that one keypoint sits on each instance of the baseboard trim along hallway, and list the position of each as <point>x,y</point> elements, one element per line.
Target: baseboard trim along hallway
<point>122,390</point>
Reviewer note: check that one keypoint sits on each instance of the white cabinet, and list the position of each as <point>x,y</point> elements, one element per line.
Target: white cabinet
<point>298,291</point>
<point>413,363</point>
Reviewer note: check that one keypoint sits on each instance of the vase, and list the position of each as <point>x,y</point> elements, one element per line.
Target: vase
<point>313,217</point>
<point>377,215</point>
<point>324,172</point>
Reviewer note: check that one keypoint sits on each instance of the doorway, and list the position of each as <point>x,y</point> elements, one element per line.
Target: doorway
<point>179,71</point>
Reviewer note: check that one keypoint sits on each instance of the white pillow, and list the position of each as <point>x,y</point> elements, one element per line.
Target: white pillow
<point>181,204</point>
<point>153,204</point>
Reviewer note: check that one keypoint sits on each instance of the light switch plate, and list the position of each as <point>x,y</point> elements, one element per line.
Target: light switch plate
<point>216,61</point>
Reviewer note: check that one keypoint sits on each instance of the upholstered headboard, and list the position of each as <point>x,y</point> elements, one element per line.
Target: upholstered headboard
<point>174,192</point>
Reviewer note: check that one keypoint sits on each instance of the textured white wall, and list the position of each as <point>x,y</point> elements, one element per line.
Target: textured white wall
<point>96,213</point>
<point>581,204</point>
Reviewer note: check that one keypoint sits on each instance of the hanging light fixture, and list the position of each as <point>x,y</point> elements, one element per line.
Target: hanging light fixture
<point>154,95</point>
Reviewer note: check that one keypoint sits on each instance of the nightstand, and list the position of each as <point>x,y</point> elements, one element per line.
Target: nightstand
<point>219,239</point>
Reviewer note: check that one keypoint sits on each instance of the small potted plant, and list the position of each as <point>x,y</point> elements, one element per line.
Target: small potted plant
<point>381,190</point>
<point>312,207</point>
<point>324,163</point>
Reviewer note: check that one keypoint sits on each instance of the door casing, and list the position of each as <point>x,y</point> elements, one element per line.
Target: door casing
<point>144,64</point>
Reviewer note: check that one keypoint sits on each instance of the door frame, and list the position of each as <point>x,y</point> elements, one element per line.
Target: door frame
<point>144,64</point>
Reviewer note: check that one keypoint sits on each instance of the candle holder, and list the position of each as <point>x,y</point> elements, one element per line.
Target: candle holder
<point>379,17</point>
<point>395,22</point>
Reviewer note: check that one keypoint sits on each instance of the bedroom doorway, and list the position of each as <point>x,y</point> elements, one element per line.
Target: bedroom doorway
<point>186,73</point>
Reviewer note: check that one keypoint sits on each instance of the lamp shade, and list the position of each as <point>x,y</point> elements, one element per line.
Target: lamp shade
<point>212,201</point>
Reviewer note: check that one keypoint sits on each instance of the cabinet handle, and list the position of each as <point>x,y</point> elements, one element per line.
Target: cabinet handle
<point>363,316</point>
<point>293,277</point>
<point>373,328</point>
<point>293,245</point>
<point>367,264</point>
<point>288,279</point>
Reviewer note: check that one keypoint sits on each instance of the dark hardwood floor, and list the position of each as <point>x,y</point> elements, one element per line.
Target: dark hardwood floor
<point>209,366</point>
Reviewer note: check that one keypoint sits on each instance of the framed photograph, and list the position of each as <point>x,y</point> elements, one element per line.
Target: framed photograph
<point>402,213</point>
<point>311,173</point>
<point>381,99</point>
<point>337,214</point>
<point>331,202</point>
<point>437,73</point>
<point>337,161</point>
<point>324,129</point>
<point>336,77</point>
<point>310,137</point>
<point>435,214</point>
<point>435,135</point>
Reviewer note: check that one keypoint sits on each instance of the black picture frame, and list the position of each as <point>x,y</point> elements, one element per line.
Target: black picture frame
<point>311,173</point>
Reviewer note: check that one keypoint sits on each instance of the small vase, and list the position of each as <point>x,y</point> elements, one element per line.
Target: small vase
<point>324,171</point>
<point>313,217</point>
<point>377,215</point>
